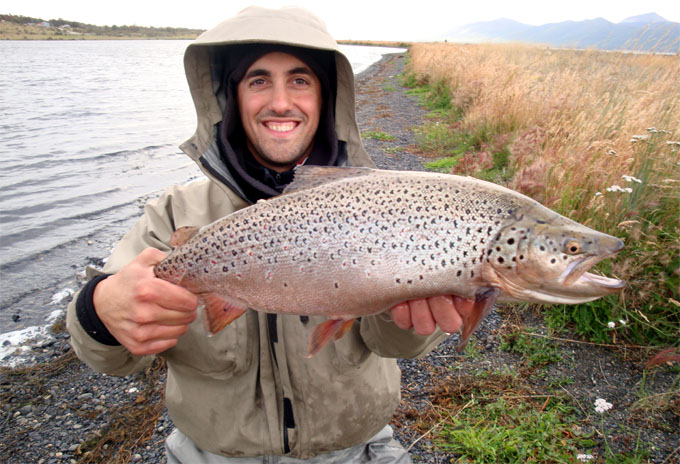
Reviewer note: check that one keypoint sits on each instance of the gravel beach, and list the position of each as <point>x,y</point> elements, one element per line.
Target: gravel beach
<point>57,410</point>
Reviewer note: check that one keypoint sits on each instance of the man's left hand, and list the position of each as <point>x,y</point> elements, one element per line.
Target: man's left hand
<point>425,314</point>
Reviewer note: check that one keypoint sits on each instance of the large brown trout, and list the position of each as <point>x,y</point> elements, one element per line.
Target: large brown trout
<point>350,242</point>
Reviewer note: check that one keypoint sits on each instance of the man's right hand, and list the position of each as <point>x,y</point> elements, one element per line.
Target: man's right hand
<point>146,314</point>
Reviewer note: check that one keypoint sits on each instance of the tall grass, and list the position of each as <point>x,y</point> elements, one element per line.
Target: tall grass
<point>572,125</point>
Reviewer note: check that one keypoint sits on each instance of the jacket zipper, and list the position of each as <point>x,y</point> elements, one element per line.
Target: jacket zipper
<point>288,417</point>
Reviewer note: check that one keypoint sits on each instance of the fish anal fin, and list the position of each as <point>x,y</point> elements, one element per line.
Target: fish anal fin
<point>307,177</point>
<point>484,301</point>
<point>220,311</point>
<point>182,235</point>
<point>332,329</point>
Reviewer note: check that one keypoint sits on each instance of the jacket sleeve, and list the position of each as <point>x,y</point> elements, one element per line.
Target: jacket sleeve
<point>178,206</point>
<point>384,338</point>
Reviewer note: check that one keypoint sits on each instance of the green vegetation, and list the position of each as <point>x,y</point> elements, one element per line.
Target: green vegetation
<point>495,430</point>
<point>26,28</point>
<point>537,351</point>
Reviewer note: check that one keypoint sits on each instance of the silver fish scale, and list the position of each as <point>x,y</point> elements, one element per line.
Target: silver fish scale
<point>351,247</point>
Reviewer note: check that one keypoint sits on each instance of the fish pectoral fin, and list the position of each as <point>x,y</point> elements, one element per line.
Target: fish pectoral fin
<point>220,312</point>
<point>323,333</point>
<point>182,235</point>
<point>485,298</point>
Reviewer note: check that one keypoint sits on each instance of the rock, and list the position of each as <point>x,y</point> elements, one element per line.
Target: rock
<point>26,409</point>
<point>86,396</point>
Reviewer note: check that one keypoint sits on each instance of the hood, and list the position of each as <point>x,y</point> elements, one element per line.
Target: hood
<point>211,55</point>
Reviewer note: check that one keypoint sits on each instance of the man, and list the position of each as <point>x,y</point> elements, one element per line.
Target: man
<point>272,91</point>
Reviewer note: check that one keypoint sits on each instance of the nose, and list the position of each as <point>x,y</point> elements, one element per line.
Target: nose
<point>280,101</point>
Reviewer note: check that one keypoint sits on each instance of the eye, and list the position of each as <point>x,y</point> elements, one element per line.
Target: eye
<point>573,248</point>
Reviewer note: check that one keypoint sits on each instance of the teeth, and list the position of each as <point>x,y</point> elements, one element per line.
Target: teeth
<point>281,126</point>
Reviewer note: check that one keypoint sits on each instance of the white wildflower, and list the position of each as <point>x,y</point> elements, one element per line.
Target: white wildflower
<point>631,179</point>
<point>584,457</point>
<point>611,324</point>
<point>602,405</point>
<point>637,138</point>
<point>673,142</point>
<point>598,194</point>
<point>654,130</point>
<point>618,188</point>
<point>612,153</point>
<point>622,322</point>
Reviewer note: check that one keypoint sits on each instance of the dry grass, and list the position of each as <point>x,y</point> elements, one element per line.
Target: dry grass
<point>572,111</point>
<point>578,122</point>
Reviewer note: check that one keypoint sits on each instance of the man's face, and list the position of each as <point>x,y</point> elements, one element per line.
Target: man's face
<point>279,99</point>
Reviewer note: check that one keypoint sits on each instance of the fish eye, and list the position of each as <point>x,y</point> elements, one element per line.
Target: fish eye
<point>573,247</point>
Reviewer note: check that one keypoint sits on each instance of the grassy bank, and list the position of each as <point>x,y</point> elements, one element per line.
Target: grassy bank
<point>592,135</point>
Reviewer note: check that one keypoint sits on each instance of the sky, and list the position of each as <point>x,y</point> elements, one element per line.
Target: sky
<point>345,19</point>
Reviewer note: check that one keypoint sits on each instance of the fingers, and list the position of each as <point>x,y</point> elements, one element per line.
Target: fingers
<point>172,297</point>
<point>421,317</point>
<point>445,313</point>
<point>144,313</point>
<point>425,314</point>
<point>401,315</point>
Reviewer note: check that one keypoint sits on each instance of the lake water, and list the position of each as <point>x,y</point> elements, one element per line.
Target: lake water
<point>89,132</point>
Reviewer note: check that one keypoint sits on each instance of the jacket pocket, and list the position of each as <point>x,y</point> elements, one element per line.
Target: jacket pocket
<point>226,354</point>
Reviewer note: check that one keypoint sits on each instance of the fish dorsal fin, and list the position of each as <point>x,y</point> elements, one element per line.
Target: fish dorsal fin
<point>307,177</point>
<point>181,235</point>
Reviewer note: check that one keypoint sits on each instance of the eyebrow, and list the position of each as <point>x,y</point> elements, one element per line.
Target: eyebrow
<point>259,72</point>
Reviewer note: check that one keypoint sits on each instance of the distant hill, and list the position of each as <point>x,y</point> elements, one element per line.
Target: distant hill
<point>27,28</point>
<point>648,32</point>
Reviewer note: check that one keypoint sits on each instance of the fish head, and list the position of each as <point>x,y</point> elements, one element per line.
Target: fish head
<point>547,262</point>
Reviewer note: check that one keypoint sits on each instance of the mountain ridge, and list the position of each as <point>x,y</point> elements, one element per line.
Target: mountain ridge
<point>646,32</point>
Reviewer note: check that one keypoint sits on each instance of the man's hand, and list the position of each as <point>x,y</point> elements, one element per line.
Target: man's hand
<point>424,315</point>
<point>144,313</point>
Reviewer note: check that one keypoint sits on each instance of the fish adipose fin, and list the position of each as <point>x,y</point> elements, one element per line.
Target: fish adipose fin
<point>484,301</point>
<point>323,333</point>
<point>182,235</point>
<point>220,312</point>
<point>307,177</point>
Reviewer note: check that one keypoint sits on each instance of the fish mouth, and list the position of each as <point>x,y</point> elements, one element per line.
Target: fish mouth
<point>577,270</point>
<point>606,283</point>
<point>578,284</point>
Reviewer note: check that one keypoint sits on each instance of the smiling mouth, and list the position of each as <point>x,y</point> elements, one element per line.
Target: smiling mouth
<point>281,126</point>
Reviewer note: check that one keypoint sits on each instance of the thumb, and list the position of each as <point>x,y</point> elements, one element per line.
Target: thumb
<point>151,257</point>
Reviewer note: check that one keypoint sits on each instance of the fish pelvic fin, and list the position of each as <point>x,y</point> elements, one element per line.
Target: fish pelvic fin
<point>182,235</point>
<point>220,312</point>
<point>323,333</point>
<point>485,298</point>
